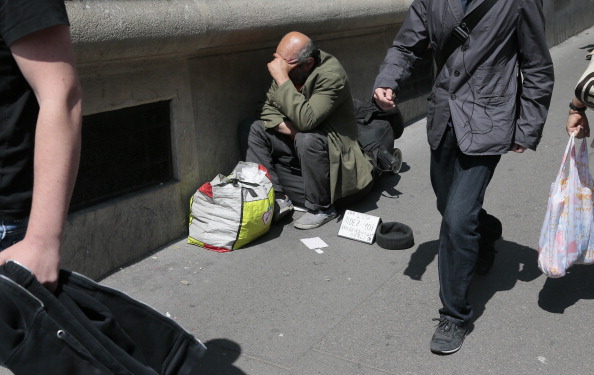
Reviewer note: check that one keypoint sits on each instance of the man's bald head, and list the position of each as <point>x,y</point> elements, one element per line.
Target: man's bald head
<point>291,45</point>
<point>300,53</point>
<point>296,47</point>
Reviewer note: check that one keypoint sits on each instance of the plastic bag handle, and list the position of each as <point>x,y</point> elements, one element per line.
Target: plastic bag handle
<point>583,166</point>
<point>570,146</point>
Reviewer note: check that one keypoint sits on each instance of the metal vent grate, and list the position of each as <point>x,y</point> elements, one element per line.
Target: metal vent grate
<point>123,151</point>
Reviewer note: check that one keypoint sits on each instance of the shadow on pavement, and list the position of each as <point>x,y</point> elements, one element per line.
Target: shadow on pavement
<point>219,358</point>
<point>420,259</point>
<point>383,186</point>
<point>513,263</point>
<point>559,294</point>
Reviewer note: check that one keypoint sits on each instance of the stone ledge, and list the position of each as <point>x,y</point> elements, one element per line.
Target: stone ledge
<point>107,30</point>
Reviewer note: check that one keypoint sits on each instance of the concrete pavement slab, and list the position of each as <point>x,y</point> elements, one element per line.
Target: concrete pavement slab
<point>274,301</point>
<point>318,362</point>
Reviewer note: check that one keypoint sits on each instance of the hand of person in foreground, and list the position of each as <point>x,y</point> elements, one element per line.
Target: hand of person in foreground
<point>39,257</point>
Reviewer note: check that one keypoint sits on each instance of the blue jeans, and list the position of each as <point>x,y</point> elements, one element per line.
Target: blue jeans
<point>459,182</point>
<point>11,232</point>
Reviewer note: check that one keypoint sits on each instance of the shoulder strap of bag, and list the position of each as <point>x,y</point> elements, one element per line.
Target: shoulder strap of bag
<point>460,33</point>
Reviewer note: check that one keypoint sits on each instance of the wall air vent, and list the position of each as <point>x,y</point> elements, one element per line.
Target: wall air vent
<point>123,151</point>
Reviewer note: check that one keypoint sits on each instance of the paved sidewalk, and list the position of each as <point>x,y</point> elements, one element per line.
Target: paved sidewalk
<point>276,307</point>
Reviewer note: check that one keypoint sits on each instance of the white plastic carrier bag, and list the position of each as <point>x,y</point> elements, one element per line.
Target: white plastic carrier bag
<point>230,211</point>
<point>567,237</point>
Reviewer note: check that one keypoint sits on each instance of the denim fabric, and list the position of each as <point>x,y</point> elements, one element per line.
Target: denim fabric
<point>459,182</point>
<point>12,232</point>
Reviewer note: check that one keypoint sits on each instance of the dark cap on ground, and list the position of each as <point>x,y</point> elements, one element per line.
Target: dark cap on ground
<point>394,236</point>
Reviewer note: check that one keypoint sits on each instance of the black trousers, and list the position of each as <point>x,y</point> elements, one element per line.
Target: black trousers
<point>460,182</point>
<point>299,168</point>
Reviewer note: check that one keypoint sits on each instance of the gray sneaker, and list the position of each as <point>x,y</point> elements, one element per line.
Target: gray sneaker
<point>313,219</point>
<point>282,208</point>
<point>448,337</point>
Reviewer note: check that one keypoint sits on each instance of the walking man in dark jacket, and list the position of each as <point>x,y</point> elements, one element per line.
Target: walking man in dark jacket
<point>491,97</point>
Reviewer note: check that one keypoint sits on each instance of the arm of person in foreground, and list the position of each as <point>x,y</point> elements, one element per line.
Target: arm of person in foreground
<point>46,59</point>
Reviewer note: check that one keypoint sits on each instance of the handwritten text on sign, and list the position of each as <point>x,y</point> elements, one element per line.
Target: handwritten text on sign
<point>358,226</point>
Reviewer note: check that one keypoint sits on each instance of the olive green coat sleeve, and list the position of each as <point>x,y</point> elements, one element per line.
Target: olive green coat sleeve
<point>324,102</point>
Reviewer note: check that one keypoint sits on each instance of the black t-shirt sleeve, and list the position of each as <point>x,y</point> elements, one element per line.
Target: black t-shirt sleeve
<point>19,18</point>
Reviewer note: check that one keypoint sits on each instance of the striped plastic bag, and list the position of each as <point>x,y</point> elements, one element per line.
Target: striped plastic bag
<point>230,211</point>
<point>567,237</point>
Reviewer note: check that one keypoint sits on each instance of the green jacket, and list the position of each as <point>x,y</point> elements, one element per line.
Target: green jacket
<point>324,102</point>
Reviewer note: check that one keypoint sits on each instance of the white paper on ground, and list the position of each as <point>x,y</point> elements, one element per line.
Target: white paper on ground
<point>314,243</point>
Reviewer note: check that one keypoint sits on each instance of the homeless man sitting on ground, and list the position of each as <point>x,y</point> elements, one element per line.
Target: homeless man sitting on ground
<point>306,134</point>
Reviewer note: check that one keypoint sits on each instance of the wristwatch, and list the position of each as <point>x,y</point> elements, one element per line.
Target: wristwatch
<point>577,109</point>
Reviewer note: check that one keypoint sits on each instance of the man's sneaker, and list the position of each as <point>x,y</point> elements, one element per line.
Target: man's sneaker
<point>448,337</point>
<point>313,219</point>
<point>486,258</point>
<point>282,208</point>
